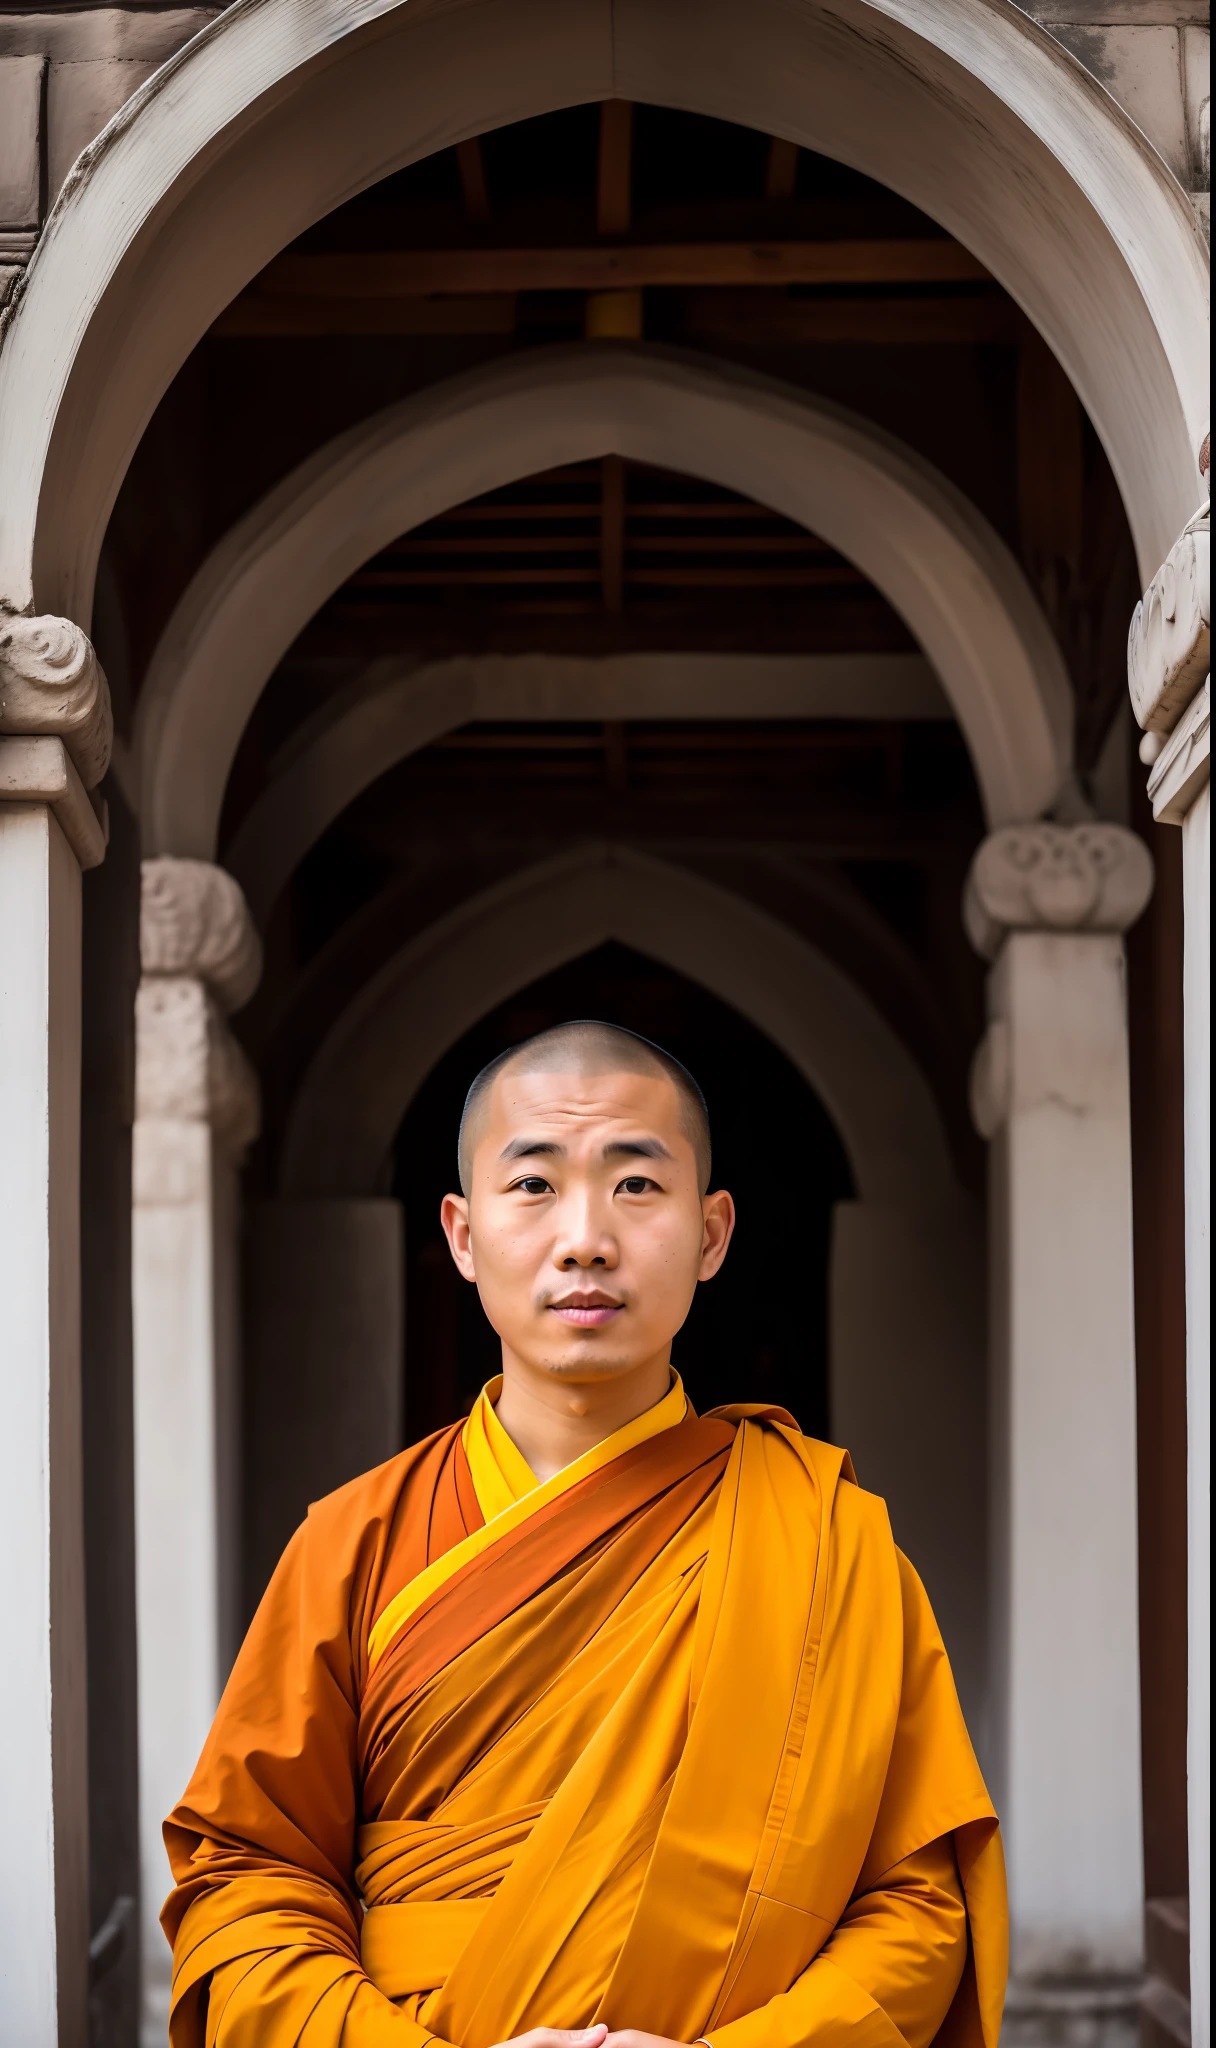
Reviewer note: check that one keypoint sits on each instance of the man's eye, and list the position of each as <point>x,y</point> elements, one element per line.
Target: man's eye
<point>636,1184</point>
<point>532,1184</point>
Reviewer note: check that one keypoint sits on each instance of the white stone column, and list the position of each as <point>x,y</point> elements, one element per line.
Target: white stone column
<point>1169,674</point>
<point>54,746</point>
<point>1048,904</point>
<point>196,1109</point>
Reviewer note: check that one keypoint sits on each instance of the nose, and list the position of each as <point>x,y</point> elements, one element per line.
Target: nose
<point>584,1236</point>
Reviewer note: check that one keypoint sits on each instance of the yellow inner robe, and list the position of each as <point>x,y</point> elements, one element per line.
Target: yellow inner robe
<point>728,1793</point>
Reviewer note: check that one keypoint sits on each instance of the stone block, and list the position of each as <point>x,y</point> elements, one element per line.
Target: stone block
<point>20,141</point>
<point>81,97</point>
<point>1141,67</point>
<point>1197,87</point>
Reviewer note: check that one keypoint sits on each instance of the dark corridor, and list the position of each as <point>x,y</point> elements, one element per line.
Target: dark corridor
<point>756,1332</point>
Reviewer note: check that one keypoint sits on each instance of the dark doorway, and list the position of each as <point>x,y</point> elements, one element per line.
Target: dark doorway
<point>758,1332</point>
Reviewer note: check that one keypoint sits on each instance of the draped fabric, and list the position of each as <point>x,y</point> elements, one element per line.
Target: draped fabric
<point>508,1493</point>
<point>679,1749</point>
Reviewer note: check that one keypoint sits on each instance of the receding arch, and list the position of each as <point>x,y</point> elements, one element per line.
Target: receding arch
<point>925,546</point>
<point>965,107</point>
<point>394,707</point>
<point>361,1081</point>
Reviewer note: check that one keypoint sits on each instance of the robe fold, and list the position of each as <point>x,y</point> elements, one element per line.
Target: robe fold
<point>669,1741</point>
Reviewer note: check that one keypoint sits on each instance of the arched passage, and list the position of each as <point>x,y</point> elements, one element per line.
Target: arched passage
<point>957,107</point>
<point>930,552</point>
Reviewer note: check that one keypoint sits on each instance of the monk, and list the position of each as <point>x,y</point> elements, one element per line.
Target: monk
<point>590,1722</point>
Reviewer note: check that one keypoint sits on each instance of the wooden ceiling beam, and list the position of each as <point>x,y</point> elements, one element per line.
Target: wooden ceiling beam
<point>612,532</point>
<point>614,172</point>
<point>578,509</point>
<point>681,747</point>
<point>257,315</point>
<point>820,622</point>
<point>609,574</point>
<point>425,273</point>
<point>858,831</point>
<point>616,757</point>
<point>756,319</point>
<point>639,543</point>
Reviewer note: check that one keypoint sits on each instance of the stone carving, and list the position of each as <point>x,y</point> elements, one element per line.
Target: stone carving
<point>1183,766</point>
<point>188,1066</point>
<point>52,684</point>
<point>1169,642</point>
<point>37,769</point>
<point>1046,877</point>
<point>193,920</point>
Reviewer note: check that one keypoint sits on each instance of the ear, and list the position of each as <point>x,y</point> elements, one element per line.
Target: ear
<point>454,1216</point>
<point>718,1211</point>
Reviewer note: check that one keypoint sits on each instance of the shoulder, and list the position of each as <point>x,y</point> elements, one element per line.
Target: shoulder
<point>830,1464</point>
<point>336,1562</point>
<point>375,1499</point>
<point>853,1513</point>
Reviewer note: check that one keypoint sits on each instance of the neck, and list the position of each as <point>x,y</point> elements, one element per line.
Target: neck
<point>554,1422</point>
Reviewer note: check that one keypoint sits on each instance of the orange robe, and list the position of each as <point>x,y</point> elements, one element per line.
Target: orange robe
<point>676,1747</point>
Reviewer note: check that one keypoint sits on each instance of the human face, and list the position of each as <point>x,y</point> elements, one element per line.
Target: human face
<point>584,1227</point>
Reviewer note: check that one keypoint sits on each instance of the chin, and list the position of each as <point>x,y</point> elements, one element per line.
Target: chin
<point>589,1365</point>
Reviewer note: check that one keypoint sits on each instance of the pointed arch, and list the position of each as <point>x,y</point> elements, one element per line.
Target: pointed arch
<point>925,546</point>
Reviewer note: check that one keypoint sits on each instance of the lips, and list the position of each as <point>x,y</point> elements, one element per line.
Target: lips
<point>586,1311</point>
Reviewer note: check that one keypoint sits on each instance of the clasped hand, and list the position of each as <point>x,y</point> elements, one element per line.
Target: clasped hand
<point>598,2036</point>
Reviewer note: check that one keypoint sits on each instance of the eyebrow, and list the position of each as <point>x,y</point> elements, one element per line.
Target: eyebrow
<point>621,1148</point>
<point>637,1148</point>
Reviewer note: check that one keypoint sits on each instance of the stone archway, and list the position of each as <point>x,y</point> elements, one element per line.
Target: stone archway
<point>930,552</point>
<point>957,106</point>
<point>954,106</point>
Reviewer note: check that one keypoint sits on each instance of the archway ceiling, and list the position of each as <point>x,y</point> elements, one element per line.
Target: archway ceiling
<point>919,541</point>
<point>960,106</point>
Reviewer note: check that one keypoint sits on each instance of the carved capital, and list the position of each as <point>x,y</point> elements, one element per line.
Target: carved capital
<point>193,919</point>
<point>1064,878</point>
<point>188,1066</point>
<point>53,686</point>
<point>1169,642</point>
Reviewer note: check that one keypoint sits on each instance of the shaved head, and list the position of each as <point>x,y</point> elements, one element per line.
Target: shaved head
<point>586,1046</point>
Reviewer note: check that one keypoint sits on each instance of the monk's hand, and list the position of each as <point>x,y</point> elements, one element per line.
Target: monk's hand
<point>562,2037</point>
